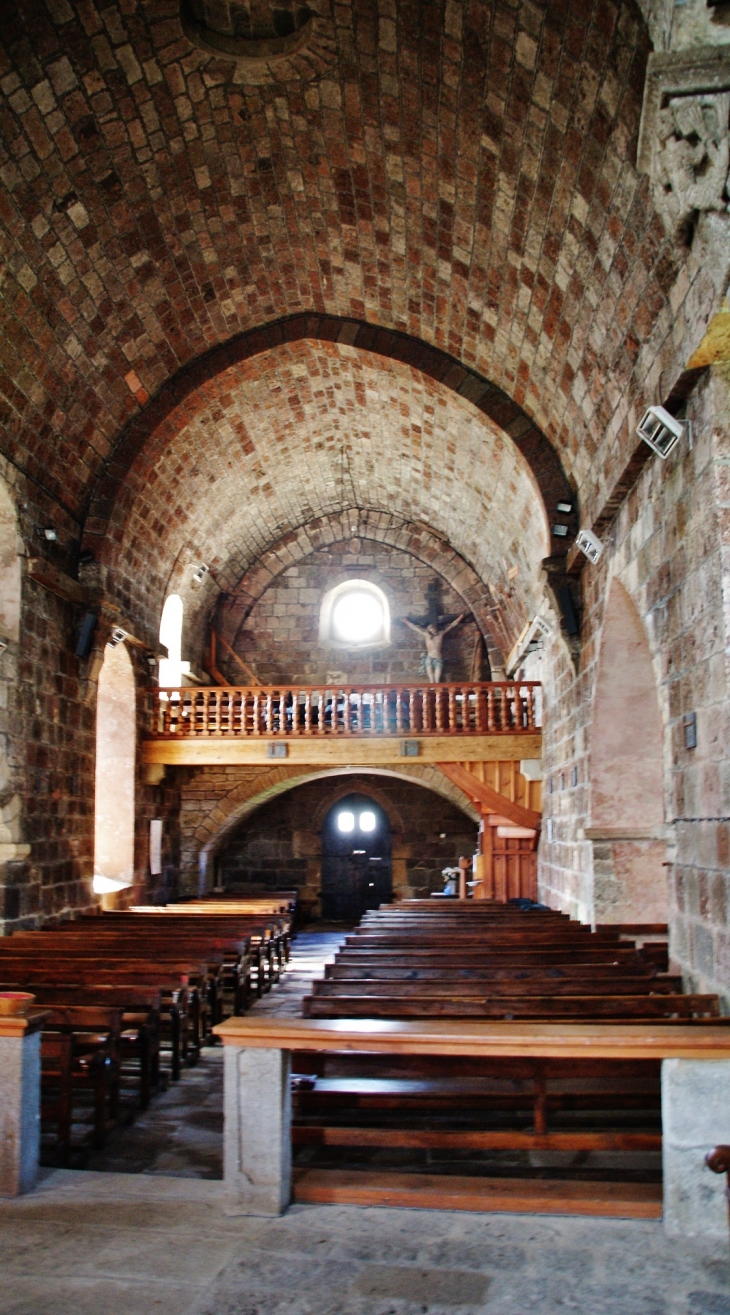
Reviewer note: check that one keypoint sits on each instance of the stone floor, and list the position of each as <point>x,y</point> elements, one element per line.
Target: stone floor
<point>122,1244</point>
<point>181,1134</point>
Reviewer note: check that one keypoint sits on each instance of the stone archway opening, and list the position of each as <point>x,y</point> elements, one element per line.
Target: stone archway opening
<point>627,791</point>
<point>114,816</point>
<point>275,840</point>
<point>11,848</point>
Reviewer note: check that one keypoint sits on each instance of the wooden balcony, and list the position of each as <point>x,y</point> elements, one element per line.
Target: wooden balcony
<point>355,724</point>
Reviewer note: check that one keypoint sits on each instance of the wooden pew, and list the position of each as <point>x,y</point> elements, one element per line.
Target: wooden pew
<point>79,1055</point>
<point>139,1039</point>
<point>488,962</point>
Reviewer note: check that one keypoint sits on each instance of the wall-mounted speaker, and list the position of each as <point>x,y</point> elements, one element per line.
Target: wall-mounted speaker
<point>567,609</point>
<point>86,635</point>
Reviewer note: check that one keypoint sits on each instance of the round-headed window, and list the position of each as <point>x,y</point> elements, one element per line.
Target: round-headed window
<point>355,615</point>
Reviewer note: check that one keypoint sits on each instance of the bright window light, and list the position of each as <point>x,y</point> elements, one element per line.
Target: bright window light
<point>346,822</point>
<point>358,616</point>
<point>367,821</point>
<point>170,669</point>
<point>108,885</point>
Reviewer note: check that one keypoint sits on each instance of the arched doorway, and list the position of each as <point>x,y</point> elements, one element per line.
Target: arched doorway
<point>11,811</point>
<point>356,859</point>
<point>627,794</point>
<point>115,773</point>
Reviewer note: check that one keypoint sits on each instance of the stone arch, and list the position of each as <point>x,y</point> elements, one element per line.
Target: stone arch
<point>10,589</point>
<point>114,801</point>
<point>187,393</point>
<point>626,772</point>
<point>11,848</point>
<point>420,540</point>
<point>250,788</point>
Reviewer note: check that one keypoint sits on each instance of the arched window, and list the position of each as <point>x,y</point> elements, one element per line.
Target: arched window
<point>355,615</point>
<point>115,763</point>
<point>172,667</point>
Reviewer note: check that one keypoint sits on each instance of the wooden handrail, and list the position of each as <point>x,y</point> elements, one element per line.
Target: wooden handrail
<point>294,711</point>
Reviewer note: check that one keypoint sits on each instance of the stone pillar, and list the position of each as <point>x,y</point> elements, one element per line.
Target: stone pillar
<point>695,1118</point>
<point>257,1130</point>
<point>20,1095</point>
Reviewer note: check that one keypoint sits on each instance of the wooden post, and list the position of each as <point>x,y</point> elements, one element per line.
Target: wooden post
<point>464,866</point>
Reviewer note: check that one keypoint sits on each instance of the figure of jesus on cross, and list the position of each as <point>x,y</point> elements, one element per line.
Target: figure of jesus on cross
<point>433,637</point>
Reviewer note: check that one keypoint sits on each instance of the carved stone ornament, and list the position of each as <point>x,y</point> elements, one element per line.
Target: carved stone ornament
<point>684,145</point>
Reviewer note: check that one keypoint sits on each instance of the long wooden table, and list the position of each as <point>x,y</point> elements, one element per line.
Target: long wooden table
<point>695,1110</point>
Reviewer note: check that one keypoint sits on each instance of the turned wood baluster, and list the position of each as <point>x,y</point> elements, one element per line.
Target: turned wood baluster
<point>439,707</point>
<point>530,707</point>
<point>412,714</point>
<point>452,726</point>
<point>235,704</point>
<point>479,709</point>
<point>320,712</point>
<point>399,711</point>
<point>307,712</point>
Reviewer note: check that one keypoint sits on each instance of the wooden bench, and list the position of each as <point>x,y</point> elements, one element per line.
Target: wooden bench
<point>79,1057</point>
<point>258,1166</point>
<point>139,1039</point>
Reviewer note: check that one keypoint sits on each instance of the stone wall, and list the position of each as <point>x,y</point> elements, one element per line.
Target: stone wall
<point>668,547</point>
<point>280,636</point>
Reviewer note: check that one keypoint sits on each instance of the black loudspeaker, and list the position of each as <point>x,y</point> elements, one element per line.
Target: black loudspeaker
<point>86,635</point>
<point>567,608</point>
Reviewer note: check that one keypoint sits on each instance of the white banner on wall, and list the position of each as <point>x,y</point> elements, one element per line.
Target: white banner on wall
<point>156,846</point>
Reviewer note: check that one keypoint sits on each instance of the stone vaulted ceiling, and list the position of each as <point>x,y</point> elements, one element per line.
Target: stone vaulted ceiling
<point>462,172</point>
<point>297,434</point>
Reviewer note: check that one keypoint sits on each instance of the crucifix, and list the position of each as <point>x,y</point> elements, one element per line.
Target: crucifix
<point>433,637</point>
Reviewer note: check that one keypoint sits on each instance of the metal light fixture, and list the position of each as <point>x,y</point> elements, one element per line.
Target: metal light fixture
<point>661,431</point>
<point>590,544</point>
<point>201,573</point>
<point>117,636</point>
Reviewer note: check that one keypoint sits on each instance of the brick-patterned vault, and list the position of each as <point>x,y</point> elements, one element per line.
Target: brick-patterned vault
<point>461,172</point>
<point>307,431</point>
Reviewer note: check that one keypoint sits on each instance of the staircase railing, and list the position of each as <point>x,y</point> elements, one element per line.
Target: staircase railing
<point>291,711</point>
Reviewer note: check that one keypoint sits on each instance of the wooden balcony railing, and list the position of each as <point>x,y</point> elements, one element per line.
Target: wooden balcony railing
<point>293,710</point>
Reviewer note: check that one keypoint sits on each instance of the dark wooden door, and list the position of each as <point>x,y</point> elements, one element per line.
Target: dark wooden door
<point>356,862</point>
